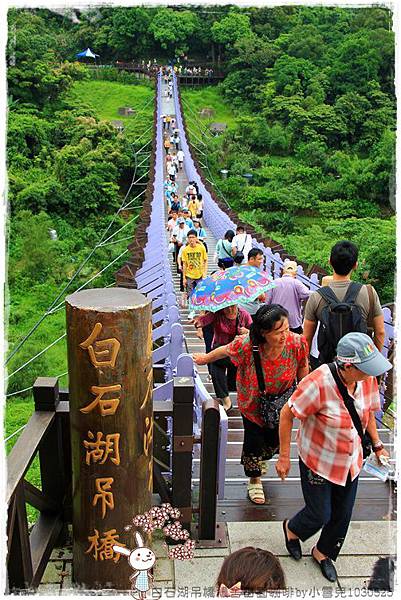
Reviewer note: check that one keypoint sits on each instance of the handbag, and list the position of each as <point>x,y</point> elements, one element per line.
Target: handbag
<point>366,440</point>
<point>270,405</point>
<point>226,261</point>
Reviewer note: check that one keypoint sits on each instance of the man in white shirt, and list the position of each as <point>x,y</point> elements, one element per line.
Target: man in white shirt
<point>190,190</point>
<point>171,170</point>
<point>242,243</point>
<point>179,236</point>
<point>180,158</point>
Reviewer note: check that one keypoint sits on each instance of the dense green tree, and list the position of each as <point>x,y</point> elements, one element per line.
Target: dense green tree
<point>128,32</point>
<point>231,28</point>
<point>356,63</point>
<point>173,29</point>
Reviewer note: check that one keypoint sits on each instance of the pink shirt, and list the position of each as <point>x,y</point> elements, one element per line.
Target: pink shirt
<point>225,329</point>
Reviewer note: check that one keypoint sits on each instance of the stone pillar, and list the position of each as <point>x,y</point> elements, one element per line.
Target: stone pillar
<point>109,336</point>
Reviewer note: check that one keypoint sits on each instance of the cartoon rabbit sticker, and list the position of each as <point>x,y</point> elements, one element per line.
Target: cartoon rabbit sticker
<point>141,560</point>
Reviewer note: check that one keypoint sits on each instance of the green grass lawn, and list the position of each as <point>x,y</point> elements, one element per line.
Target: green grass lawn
<point>106,97</point>
<point>207,97</point>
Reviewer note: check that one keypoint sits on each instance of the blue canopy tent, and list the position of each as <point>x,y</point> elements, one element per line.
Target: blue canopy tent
<point>87,54</point>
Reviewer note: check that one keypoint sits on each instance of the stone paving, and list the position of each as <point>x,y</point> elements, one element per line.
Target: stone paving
<point>365,542</point>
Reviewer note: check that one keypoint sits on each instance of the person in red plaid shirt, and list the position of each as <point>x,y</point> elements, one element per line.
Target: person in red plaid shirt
<point>329,446</point>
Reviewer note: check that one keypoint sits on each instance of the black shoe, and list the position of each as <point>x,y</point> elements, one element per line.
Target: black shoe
<point>293,546</point>
<point>327,568</point>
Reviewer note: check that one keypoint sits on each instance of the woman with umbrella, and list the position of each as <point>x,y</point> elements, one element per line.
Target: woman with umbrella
<point>219,295</point>
<point>270,361</point>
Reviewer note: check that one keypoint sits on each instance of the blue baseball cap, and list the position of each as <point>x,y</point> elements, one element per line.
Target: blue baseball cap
<point>359,350</point>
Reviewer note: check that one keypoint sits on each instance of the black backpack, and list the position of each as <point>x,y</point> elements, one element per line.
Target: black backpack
<point>337,319</point>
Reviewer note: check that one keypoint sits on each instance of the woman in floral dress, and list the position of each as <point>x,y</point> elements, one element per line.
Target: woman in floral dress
<point>284,361</point>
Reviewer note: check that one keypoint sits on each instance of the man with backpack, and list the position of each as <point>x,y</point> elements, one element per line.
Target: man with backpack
<point>343,306</point>
<point>241,244</point>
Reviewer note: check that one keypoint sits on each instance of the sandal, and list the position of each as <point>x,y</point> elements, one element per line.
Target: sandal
<point>256,493</point>
<point>226,408</point>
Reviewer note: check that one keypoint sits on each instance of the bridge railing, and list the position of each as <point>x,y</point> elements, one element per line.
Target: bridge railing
<point>47,434</point>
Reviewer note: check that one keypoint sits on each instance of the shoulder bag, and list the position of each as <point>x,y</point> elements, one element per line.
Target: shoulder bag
<point>270,405</point>
<point>349,405</point>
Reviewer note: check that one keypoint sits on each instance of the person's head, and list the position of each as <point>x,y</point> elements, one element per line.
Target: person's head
<point>174,195</point>
<point>174,215</point>
<point>196,223</point>
<point>290,267</point>
<point>358,358</point>
<point>230,312</point>
<point>181,222</point>
<point>186,213</point>
<point>199,196</point>
<point>344,257</point>
<point>257,570</point>
<point>240,229</point>
<point>229,235</point>
<point>180,213</point>
<point>192,238</point>
<point>255,258</point>
<point>270,325</point>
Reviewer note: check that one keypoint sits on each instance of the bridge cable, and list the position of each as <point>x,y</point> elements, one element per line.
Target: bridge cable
<point>49,309</point>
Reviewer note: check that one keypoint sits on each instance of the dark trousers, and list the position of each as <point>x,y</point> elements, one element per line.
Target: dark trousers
<point>181,272</point>
<point>223,377</point>
<point>176,252</point>
<point>327,507</point>
<point>208,333</point>
<point>260,444</point>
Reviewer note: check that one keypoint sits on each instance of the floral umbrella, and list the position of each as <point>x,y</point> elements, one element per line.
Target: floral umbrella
<point>228,287</point>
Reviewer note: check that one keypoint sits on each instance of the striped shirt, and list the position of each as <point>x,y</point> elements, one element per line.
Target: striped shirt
<point>327,440</point>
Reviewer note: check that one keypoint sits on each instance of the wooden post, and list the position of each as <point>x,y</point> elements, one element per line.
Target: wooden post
<point>19,555</point>
<point>109,334</point>
<point>51,452</point>
<point>208,470</point>
<point>183,398</point>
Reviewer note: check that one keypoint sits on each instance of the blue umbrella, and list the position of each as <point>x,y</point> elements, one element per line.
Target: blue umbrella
<point>231,286</point>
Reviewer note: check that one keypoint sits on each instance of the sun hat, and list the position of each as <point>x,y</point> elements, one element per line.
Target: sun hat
<point>180,220</point>
<point>290,266</point>
<point>358,349</point>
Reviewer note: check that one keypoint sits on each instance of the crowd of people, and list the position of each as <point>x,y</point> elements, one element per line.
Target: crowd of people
<point>262,350</point>
<point>267,359</point>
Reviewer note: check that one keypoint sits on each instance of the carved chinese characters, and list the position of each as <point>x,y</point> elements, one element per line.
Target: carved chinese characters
<point>110,392</point>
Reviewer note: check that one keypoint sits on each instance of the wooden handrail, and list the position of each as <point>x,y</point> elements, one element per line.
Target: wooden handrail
<point>25,448</point>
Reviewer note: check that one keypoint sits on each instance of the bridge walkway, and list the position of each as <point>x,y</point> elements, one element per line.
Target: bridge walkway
<point>283,498</point>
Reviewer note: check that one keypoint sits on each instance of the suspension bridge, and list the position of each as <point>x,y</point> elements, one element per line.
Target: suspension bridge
<point>196,446</point>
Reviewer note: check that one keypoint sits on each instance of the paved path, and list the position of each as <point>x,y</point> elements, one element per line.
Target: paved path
<point>364,543</point>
